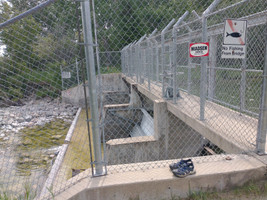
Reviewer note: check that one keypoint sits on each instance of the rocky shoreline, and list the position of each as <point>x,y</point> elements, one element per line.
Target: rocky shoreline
<point>33,113</point>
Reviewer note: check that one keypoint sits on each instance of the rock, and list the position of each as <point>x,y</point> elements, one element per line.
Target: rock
<point>27,141</point>
<point>57,137</point>
<point>28,118</point>
<point>52,156</point>
<point>20,120</point>
<point>2,135</point>
<point>15,124</point>
<point>10,121</point>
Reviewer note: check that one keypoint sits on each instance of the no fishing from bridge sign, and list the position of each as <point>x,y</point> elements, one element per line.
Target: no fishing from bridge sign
<point>199,49</point>
<point>234,39</point>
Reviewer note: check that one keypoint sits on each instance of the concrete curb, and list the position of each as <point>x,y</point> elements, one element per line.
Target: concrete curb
<point>159,183</point>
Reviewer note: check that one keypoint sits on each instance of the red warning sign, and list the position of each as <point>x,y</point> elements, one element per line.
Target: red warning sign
<point>199,49</point>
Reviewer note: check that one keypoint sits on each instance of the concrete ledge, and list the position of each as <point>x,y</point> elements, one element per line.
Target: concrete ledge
<point>131,140</point>
<point>115,106</point>
<point>159,183</point>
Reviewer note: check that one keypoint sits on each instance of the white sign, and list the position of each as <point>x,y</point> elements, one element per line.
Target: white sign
<point>199,49</point>
<point>235,32</point>
<point>234,51</point>
<point>66,75</point>
<point>234,39</point>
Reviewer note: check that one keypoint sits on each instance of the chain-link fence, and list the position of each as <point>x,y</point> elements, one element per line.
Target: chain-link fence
<point>221,95</point>
<point>40,57</point>
<point>152,103</point>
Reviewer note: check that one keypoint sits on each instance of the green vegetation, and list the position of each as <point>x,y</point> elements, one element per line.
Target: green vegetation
<point>251,190</point>
<point>28,194</point>
<point>34,140</point>
<point>35,48</point>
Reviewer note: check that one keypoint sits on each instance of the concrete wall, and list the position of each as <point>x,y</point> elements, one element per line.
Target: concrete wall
<point>172,138</point>
<point>110,83</point>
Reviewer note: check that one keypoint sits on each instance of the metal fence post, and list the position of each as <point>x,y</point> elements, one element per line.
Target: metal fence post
<point>203,79</point>
<point>150,60</point>
<point>262,122</point>
<point>139,55</point>
<point>128,58</point>
<point>163,52</point>
<point>62,80</point>
<point>174,55</point>
<point>91,75</point>
<point>243,85</point>
<point>204,61</point>
<point>156,60</point>
<point>189,75</point>
<point>143,59</point>
<point>132,59</point>
<point>77,70</point>
<point>212,72</point>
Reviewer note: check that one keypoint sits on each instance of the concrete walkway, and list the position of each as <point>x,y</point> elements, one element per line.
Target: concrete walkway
<point>230,130</point>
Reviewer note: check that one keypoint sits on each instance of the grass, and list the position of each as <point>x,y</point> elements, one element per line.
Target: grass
<point>77,154</point>
<point>29,194</point>
<point>250,191</point>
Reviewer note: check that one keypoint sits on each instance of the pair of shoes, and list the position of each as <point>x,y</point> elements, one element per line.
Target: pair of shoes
<point>183,168</point>
<point>180,164</point>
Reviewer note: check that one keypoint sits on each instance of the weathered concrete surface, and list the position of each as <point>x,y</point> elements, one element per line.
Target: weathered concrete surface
<point>172,138</point>
<point>231,131</point>
<point>110,83</point>
<point>132,150</point>
<point>159,183</point>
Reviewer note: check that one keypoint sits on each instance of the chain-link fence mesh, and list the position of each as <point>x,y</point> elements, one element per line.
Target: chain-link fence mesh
<point>40,58</point>
<point>223,96</point>
<point>156,103</point>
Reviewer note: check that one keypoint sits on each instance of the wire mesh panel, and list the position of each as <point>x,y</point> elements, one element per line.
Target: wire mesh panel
<point>153,101</point>
<point>40,60</point>
<point>221,96</point>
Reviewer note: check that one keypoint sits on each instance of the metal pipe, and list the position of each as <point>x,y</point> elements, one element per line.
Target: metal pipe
<point>141,39</point>
<point>91,75</point>
<point>138,59</point>
<point>196,15</point>
<point>62,80</point>
<point>168,26</point>
<point>100,84</point>
<point>157,60</point>
<point>163,52</point>
<point>150,49</point>
<point>212,63</point>
<point>84,87</point>
<point>203,79</point>
<point>262,122</point>
<point>77,70</point>
<point>174,55</point>
<point>25,14</point>
<point>189,75</point>
<point>181,19</point>
<point>243,85</point>
<point>204,61</point>
<point>211,7</point>
<point>153,33</point>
